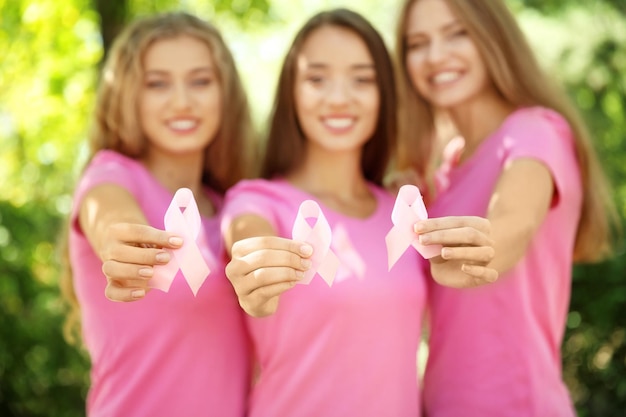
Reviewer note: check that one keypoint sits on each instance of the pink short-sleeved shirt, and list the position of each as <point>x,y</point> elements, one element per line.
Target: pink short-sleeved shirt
<point>345,350</point>
<point>169,354</point>
<point>495,350</point>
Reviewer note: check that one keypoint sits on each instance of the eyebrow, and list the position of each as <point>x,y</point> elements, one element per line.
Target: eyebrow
<point>193,71</point>
<point>316,65</point>
<point>445,27</point>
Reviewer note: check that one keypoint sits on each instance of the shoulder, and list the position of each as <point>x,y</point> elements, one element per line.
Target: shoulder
<point>275,189</point>
<point>531,121</point>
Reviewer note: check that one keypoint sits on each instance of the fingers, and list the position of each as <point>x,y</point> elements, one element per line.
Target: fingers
<point>453,222</point>
<point>470,254</point>
<point>480,274</point>
<point>455,231</point>
<point>125,291</point>
<point>262,268</point>
<point>142,235</point>
<point>246,246</point>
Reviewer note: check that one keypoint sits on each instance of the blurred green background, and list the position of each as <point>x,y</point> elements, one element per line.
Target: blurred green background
<point>50,51</point>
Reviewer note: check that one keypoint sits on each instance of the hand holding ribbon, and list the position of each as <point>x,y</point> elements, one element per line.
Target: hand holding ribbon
<point>188,258</point>
<point>324,261</point>
<point>408,209</point>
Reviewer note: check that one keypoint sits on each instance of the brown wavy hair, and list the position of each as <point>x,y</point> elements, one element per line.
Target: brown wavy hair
<point>519,79</point>
<point>286,140</point>
<point>229,157</point>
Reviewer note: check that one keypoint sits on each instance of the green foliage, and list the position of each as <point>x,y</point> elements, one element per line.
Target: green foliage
<point>50,53</point>
<point>39,375</point>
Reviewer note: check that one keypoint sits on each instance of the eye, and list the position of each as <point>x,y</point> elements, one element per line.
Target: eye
<point>202,82</point>
<point>156,84</point>
<point>315,79</point>
<point>459,33</point>
<point>415,45</point>
<point>365,79</point>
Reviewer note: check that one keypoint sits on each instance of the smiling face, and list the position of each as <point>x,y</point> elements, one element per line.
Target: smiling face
<point>180,100</point>
<point>442,60</point>
<point>336,92</point>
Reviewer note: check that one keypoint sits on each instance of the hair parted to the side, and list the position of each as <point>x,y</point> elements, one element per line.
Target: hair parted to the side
<point>286,140</point>
<point>521,81</point>
<point>229,157</point>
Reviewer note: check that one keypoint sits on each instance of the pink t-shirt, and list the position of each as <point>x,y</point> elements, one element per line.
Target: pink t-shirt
<point>345,350</point>
<point>495,350</point>
<point>169,354</point>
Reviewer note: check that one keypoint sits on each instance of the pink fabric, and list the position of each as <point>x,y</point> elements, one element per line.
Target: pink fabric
<point>345,350</point>
<point>170,354</point>
<point>495,350</point>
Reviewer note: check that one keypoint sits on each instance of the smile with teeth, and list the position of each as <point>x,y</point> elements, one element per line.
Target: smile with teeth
<point>445,77</point>
<point>182,124</point>
<point>339,122</point>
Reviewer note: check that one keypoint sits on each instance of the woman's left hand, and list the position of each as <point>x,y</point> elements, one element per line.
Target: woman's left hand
<point>467,250</point>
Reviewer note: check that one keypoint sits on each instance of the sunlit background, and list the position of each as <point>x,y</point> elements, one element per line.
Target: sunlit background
<point>49,55</point>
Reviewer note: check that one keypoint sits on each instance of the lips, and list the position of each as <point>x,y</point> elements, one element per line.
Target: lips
<point>182,125</point>
<point>339,122</point>
<point>445,77</point>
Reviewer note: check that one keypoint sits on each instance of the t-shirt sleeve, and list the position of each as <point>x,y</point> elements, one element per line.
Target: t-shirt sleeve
<point>545,136</point>
<point>249,197</point>
<point>106,167</point>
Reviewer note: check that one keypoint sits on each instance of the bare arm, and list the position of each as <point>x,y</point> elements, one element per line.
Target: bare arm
<point>477,250</point>
<point>518,206</point>
<point>262,266</point>
<point>118,231</point>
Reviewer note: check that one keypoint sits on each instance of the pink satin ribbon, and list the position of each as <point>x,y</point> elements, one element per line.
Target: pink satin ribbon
<point>351,262</point>
<point>324,261</point>
<point>188,258</point>
<point>408,209</point>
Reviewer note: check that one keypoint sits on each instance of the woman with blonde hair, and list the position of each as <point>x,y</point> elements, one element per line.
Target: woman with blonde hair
<point>522,158</point>
<point>171,113</point>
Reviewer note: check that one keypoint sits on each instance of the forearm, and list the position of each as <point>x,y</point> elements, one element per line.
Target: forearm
<point>103,207</point>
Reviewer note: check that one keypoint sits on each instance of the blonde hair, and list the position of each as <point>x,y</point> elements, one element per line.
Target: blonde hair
<point>519,79</point>
<point>229,157</point>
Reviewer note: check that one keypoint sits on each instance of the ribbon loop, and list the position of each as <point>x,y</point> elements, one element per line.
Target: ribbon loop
<point>188,258</point>
<point>319,236</point>
<point>407,210</point>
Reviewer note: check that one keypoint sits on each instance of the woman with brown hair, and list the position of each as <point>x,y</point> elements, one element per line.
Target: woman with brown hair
<point>350,348</point>
<point>171,113</point>
<point>522,158</point>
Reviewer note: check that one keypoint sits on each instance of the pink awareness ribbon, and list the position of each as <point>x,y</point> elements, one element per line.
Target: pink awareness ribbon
<point>351,261</point>
<point>408,209</point>
<point>324,261</point>
<point>188,258</point>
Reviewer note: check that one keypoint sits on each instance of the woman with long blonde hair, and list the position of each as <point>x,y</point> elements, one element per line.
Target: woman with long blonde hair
<point>171,113</point>
<point>521,157</point>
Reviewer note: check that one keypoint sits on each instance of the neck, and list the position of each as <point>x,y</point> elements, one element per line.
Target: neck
<point>477,119</point>
<point>174,172</point>
<point>335,179</point>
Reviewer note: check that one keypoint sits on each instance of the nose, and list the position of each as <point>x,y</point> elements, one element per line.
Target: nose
<point>338,92</point>
<point>436,51</point>
<point>181,96</point>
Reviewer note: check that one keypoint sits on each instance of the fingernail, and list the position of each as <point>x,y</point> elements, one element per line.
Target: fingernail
<point>138,293</point>
<point>299,274</point>
<point>424,239</point>
<point>419,227</point>
<point>306,250</point>
<point>446,253</point>
<point>306,264</point>
<point>163,257</point>
<point>176,241</point>
<point>145,272</point>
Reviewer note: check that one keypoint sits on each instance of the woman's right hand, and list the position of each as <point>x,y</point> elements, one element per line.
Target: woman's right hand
<point>264,267</point>
<point>129,253</point>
